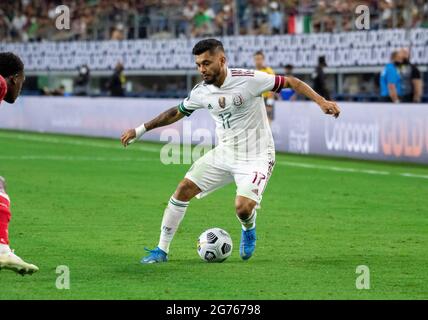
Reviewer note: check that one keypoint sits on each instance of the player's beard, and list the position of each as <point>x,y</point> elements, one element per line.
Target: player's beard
<point>214,77</point>
<point>212,80</point>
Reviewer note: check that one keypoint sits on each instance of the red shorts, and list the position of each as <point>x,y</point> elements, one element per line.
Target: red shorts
<point>4,201</point>
<point>4,218</point>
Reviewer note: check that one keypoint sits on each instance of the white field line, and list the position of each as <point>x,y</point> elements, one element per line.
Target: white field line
<point>332,168</point>
<point>352,170</point>
<point>284,163</point>
<point>76,143</point>
<point>412,175</point>
<point>73,158</point>
<point>156,150</point>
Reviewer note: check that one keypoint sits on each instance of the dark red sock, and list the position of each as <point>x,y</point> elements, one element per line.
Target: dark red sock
<point>4,219</point>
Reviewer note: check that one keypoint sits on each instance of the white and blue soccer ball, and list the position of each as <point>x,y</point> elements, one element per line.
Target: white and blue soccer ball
<point>214,245</point>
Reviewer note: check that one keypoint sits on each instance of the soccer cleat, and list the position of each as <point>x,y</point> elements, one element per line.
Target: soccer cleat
<point>248,243</point>
<point>9,260</point>
<point>156,255</point>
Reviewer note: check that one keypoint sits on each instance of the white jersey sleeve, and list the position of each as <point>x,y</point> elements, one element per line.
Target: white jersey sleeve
<point>262,82</point>
<point>192,102</point>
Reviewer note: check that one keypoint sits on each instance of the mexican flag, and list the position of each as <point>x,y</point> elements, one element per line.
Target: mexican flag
<point>299,23</point>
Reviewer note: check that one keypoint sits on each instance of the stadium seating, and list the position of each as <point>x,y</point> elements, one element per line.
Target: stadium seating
<point>361,48</point>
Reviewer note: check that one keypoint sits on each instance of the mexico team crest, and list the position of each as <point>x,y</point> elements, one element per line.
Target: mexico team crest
<point>222,102</point>
<point>238,100</point>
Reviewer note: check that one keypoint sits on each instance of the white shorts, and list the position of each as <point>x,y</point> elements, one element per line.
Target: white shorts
<point>214,170</point>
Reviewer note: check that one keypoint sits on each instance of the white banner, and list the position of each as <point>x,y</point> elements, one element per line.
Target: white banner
<point>379,131</point>
<point>358,48</point>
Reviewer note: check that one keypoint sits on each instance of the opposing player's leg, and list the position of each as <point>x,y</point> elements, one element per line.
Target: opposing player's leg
<point>8,259</point>
<point>202,178</point>
<point>251,180</point>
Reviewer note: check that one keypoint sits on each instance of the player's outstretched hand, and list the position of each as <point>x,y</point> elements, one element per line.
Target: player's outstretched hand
<point>330,107</point>
<point>128,137</point>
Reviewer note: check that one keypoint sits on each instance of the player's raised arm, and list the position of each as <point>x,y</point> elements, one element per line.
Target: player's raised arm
<point>165,118</point>
<point>262,82</point>
<point>328,107</point>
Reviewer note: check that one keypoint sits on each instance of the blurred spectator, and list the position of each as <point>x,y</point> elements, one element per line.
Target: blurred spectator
<point>33,29</point>
<point>224,20</point>
<point>188,13</point>
<point>268,96</point>
<point>411,80</point>
<point>288,93</point>
<point>318,77</point>
<point>60,91</point>
<point>322,20</point>
<point>390,79</point>
<point>118,32</point>
<point>275,18</point>
<point>386,17</point>
<point>4,26</point>
<point>288,70</point>
<point>81,83</point>
<point>202,21</point>
<point>117,81</point>
<point>19,22</point>
<point>260,17</point>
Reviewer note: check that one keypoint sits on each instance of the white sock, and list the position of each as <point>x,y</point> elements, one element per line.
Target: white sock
<point>250,222</point>
<point>4,248</point>
<point>172,217</point>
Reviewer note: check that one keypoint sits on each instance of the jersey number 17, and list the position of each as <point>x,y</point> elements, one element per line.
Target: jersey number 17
<point>225,118</point>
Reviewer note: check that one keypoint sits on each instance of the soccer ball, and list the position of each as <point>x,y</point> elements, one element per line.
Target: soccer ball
<point>214,245</point>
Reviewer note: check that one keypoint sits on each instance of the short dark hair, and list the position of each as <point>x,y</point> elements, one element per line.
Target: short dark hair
<point>288,66</point>
<point>207,45</point>
<point>259,53</point>
<point>394,54</point>
<point>10,64</point>
<point>321,60</point>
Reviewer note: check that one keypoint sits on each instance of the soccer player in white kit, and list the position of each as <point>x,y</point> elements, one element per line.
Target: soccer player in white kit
<point>245,153</point>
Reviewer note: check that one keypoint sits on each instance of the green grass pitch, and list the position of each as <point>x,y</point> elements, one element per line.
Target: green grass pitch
<point>92,205</point>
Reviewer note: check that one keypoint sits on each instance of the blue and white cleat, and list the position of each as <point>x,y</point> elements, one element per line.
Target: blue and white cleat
<point>248,243</point>
<point>156,255</point>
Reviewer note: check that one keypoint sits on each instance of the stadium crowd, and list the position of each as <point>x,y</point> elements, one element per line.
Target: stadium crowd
<point>33,20</point>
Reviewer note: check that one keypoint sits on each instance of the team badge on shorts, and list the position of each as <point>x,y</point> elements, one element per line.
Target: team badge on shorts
<point>222,102</point>
<point>238,100</point>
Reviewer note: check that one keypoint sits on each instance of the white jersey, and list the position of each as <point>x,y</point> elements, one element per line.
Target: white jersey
<point>239,111</point>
